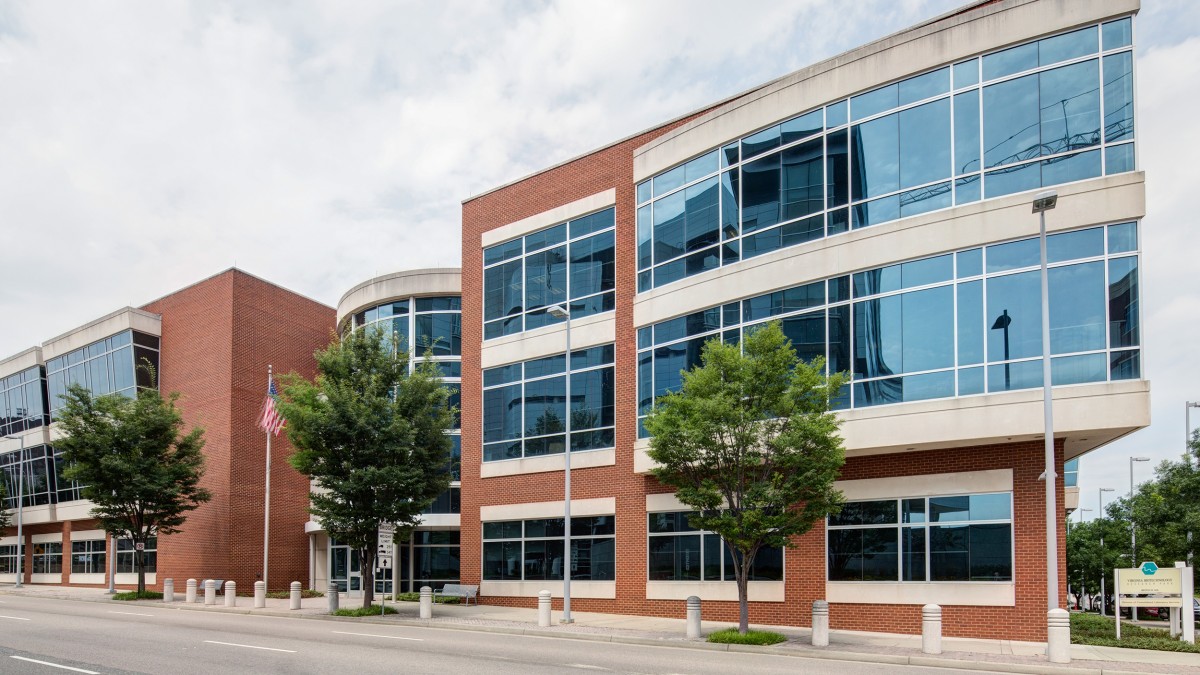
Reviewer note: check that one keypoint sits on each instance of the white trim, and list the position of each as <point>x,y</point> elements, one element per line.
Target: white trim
<point>981,594</point>
<point>554,216</point>
<point>929,485</point>
<point>606,590</point>
<point>131,578</point>
<point>589,331</point>
<point>600,506</point>
<point>726,591</point>
<point>545,463</point>
<point>51,578</point>
<point>664,501</point>
<point>50,538</point>
<point>86,578</point>
<point>84,535</point>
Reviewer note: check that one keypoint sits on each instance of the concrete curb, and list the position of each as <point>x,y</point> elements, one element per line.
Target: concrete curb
<point>850,656</point>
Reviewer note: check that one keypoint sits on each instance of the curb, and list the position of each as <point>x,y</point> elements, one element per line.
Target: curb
<point>849,656</point>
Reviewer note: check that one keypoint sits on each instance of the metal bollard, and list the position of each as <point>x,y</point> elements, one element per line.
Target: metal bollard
<point>426,602</point>
<point>1058,636</point>
<point>260,594</point>
<point>230,594</point>
<point>210,592</point>
<point>931,629</point>
<point>543,609</point>
<point>820,623</point>
<point>295,597</point>
<point>168,590</point>
<point>191,590</point>
<point>332,594</point>
<point>693,616</point>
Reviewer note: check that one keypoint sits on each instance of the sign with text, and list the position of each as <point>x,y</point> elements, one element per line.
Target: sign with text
<point>1159,581</point>
<point>387,534</point>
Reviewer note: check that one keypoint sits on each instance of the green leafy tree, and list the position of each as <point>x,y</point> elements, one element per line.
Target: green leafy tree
<point>1167,510</point>
<point>5,512</point>
<point>372,437</point>
<point>750,444</point>
<point>139,468</point>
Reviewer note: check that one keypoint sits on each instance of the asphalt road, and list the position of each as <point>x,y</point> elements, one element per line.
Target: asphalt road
<point>43,636</point>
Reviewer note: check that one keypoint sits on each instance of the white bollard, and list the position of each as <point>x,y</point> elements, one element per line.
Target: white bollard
<point>931,629</point>
<point>168,590</point>
<point>820,623</point>
<point>191,590</point>
<point>543,609</point>
<point>426,602</point>
<point>210,592</point>
<point>332,594</point>
<point>260,594</point>
<point>230,594</point>
<point>295,597</point>
<point>1058,636</point>
<point>693,617</point>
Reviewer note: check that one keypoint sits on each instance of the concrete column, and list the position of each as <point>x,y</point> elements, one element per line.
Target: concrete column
<point>820,623</point>
<point>426,602</point>
<point>543,609</point>
<point>693,617</point>
<point>230,594</point>
<point>931,629</point>
<point>1186,616</point>
<point>168,590</point>
<point>332,594</point>
<point>260,594</point>
<point>191,590</point>
<point>210,591</point>
<point>1058,636</point>
<point>295,598</point>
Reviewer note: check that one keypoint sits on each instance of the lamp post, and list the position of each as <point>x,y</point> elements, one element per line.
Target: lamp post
<point>1103,572</point>
<point>1002,323</point>
<point>561,312</point>
<point>1043,202</point>
<point>1132,525</point>
<point>20,509</point>
<point>1187,423</point>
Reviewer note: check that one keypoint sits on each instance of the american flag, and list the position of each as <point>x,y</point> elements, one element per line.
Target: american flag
<point>272,421</point>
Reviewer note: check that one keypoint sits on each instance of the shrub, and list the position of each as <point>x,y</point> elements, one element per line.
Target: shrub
<point>1090,629</point>
<point>364,611</point>
<point>416,597</point>
<point>304,593</point>
<point>754,637</point>
<point>135,595</point>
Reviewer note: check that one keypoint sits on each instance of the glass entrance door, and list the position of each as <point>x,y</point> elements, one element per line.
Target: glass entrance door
<point>344,568</point>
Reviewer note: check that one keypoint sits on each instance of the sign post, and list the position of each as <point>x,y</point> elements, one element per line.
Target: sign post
<point>1154,586</point>
<point>387,535</point>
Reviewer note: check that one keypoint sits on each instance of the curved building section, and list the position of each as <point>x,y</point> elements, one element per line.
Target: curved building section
<point>423,308</point>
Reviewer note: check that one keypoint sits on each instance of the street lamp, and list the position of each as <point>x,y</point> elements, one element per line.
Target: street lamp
<point>1132,525</point>
<point>1103,573</point>
<point>1043,202</point>
<point>1187,423</point>
<point>561,312</point>
<point>1002,323</point>
<point>1100,500</point>
<point>20,509</point>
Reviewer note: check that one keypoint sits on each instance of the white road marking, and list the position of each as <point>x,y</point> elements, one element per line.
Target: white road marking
<point>54,665</point>
<point>584,666</point>
<point>386,637</point>
<point>113,611</point>
<point>234,644</point>
<point>14,618</point>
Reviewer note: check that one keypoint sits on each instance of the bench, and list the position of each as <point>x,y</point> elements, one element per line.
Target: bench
<point>458,591</point>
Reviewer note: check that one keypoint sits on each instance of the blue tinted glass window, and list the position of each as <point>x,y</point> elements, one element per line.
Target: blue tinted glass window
<point>440,334</point>
<point>546,278</point>
<point>970,263</point>
<point>966,132</point>
<point>970,323</point>
<point>1073,245</point>
<point>1123,324</point>
<point>1011,121</point>
<point>668,227</point>
<point>837,165</point>
<point>547,237</point>
<point>881,210</point>
<point>592,223</point>
<point>1078,369</point>
<point>967,190</point>
<point>801,127</point>
<point>807,333</point>
<point>837,222</point>
<point>760,142</point>
<point>1125,365</point>
<point>701,215</point>
<point>1010,61</point>
<point>803,171</point>
<point>729,155</point>
<point>1067,46</point>
<point>504,251</point>
<point>700,167</point>
<point>970,381</point>
<point>730,188</point>
<point>835,114</point>
<point>1071,168</point>
<point>1119,158</point>
<point>966,73</point>
<point>1122,238</point>
<point>877,157</point>
<point>1016,375</point>
<point>1118,33</point>
<point>1077,300</point>
<point>1118,96</point>
<point>643,191</point>
<point>502,413</point>
<point>1014,315</point>
<point>925,199</point>
<point>645,238</point>
<point>504,294</point>
<point>924,86</point>
<point>927,271</point>
<point>1012,179</point>
<point>591,267</point>
<point>668,180</point>
<point>1070,116</point>
<point>760,193</point>
<point>924,143</point>
<point>873,102</point>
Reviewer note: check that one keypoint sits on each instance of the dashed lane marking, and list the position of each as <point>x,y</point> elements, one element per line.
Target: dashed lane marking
<point>54,665</point>
<point>386,637</point>
<point>234,644</point>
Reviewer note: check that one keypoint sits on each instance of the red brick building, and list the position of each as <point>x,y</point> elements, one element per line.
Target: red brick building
<point>878,205</point>
<point>212,343</point>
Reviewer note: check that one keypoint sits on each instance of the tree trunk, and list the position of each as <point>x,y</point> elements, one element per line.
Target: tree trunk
<point>139,561</point>
<point>367,556</point>
<point>743,598</point>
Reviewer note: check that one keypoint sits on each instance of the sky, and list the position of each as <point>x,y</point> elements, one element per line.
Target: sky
<point>147,145</point>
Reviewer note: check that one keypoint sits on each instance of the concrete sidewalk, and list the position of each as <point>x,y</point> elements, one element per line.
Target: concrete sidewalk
<point>884,648</point>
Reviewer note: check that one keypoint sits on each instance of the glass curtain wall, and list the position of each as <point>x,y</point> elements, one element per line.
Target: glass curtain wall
<point>1044,113</point>
<point>111,365</point>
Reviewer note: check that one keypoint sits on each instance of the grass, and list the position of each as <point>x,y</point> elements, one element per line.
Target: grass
<point>416,597</point>
<point>1091,629</point>
<point>134,595</point>
<point>364,611</point>
<point>284,595</point>
<point>754,637</point>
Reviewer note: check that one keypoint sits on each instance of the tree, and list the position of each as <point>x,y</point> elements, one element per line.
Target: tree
<point>749,442</point>
<point>5,512</point>
<point>139,469</point>
<point>372,436</point>
<point>1166,510</point>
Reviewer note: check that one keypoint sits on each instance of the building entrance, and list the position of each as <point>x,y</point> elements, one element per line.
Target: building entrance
<point>345,569</point>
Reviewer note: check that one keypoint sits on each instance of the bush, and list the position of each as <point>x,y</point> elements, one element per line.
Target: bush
<point>416,597</point>
<point>134,595</point>
<point>364,611</point>
<point>1091,629</point>
<point>753,637</point>
<point>304,593</point>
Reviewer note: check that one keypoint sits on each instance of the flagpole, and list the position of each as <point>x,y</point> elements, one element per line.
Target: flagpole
<point>267,497</point>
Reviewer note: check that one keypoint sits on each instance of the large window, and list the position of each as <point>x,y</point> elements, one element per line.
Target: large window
<point>527,550</point>
<point>950,538</point>
<point>952,325</point>
<point>9,559</point>
<point>111,365</point>
<point>525,405</point>
<point>88,556</point>
<point>679,552</point>
<point>125,561</point>
<point>571,262</point>
<point>47,558</point>
<point>23,401</point>
<point>41,474</point>
<point>1047,112</point>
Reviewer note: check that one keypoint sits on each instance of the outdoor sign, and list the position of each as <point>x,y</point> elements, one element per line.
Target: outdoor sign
<point>1152,586</point>
<point>387,533</point>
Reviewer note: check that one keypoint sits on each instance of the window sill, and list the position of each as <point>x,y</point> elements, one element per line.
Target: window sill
<point>759,591</point>
<point>976,593</point>
<point>579,460</point>
<point>606,590</point>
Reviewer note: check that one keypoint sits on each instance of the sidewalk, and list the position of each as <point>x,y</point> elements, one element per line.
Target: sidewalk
<point>977,654</point>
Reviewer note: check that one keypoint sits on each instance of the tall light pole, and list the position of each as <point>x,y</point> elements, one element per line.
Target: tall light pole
<point>1103,572</point>
<point>1100,500</point>
<point>1132,526</point>
<point>1043,202</point>
<point>561,312</point>
<point>20,509</point>
<point>1187,423</point>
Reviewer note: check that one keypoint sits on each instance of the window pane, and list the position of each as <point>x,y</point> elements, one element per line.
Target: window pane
<point>877,157</point>
<point>1077,308</point>
<point>913,546</point>
<point>866,513</point>
<point>1078,369</point>
<point>837,163</point>
<point>1118,33</point>
<point>1118,96</point>
<point>966,73</point>
<point>803,179</point>
<point>701,215</point>
<point>1125,365</point>
<point>760,193</point>
<point>1010,61</point>
<point>668,227</point>
<point>592,268</point>
<point>966,132</point>
<point>1011,120</point>
<point>1067,46</point>
<point>925,143</point>
<point>873,102</point>
<point>970,322</point>
<point>503,294</point>
<point>1014,316</point>
<point>1123,323</point>
<point>1087,243</point>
